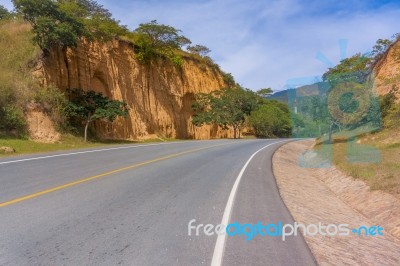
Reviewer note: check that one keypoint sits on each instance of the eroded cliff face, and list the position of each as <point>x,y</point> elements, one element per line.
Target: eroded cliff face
<point>387,70</point>
<point>159,94</point>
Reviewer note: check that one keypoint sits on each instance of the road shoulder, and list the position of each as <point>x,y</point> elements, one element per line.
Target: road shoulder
<point>327,196</point>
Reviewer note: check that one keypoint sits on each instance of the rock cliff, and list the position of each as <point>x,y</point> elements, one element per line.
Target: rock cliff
<point>158,94</point>
<point>387,69</point>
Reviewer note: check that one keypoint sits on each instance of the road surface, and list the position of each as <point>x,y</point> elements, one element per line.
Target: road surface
<point>131,205</point>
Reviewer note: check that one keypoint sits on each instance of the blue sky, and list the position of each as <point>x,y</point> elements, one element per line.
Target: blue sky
<point>267,43</point>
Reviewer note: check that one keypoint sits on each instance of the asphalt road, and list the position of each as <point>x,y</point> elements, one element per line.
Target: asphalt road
<point>132,205</point>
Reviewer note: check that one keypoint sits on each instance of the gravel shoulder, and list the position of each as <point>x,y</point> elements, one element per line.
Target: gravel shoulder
<point>328,196</point>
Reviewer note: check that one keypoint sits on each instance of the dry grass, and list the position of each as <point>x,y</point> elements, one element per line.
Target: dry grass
<point>17,50</point>
<point>383,175</point>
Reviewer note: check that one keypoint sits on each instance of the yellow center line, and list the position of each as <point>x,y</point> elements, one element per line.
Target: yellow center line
<point>47,191</point>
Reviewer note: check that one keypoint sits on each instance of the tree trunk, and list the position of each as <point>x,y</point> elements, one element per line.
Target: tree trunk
<point>234,132</point>
<point>86,129</point>
<point>330,134</point>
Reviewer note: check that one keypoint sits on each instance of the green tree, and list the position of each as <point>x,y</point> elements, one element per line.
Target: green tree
<point>226,108</point>
<point>98,21</point>
<point>162,36</point>
<point>229,80</point>
<point>355,68</point>
<point>271,120</point>
<point>380,48</point>
<point>265,92</point>
<point>12,119</point>
<point>388,101</point>
<point>199,50</point>
<point>155,39</point>
<point>4,13</point>
<point>90,106</point>
<point>50,24</point>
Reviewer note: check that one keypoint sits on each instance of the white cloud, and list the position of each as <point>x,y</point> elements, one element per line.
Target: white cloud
<point>265,43</point>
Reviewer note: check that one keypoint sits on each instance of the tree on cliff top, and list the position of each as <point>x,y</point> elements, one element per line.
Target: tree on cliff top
<point>199,50</point>
<point>265,92</point>
<point>90,106</point>
<point>51,25</point>
<point>162,36</point>
<point>355,68</point>
<point>155,39</point>
<point>63,22</point>
<point>98,21</point>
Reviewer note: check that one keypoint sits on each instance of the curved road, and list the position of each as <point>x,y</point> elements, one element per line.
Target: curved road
<point>131,205</point>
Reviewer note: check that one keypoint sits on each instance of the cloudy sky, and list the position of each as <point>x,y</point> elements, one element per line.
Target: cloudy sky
<point>268,43</point>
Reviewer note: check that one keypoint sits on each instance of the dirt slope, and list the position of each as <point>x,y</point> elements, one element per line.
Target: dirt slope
<point>159,95</point>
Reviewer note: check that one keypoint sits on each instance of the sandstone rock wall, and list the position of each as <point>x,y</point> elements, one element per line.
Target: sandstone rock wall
<point>159,94</point>
<point>387,70</point>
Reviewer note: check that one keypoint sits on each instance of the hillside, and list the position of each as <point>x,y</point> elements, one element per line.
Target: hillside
<point>159,95</point>
<point>386,74</point>
<point>387,69</point>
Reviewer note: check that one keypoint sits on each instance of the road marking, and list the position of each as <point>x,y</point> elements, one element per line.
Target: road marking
<point>47,191</point>
<point>220,244</point>
<point>83,152</point>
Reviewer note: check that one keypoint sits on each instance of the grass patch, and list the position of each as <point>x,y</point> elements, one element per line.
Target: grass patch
<point>383,175</point>
<point>68,142</point>
<point>394,145</point>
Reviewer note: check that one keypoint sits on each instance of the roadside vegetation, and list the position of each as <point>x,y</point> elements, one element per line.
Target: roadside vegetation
<point>36,27</point>
<point>67,142</point>
<point>385,173</point>
<point>238,108</point>
<point>356,122</point>
<point>89,106</point>
<point>64,22</point>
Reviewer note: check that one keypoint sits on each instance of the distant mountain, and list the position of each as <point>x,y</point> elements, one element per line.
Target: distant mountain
<point>287,96</point>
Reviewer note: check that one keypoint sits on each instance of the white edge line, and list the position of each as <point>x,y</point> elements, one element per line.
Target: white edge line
<point>91,151</point>
<point>220,244</point>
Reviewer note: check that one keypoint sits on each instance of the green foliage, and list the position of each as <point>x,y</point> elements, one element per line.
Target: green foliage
<point>271,120</point>
<point>93,105</point>
<point>63,22</point>
<point>97,20</point>
<point>387,102</point>
<point>162,37</point>
<point>352,69</point>
<point>392,120</point>
<point>153,39</point>
<point>90,106</point>
<point>4,13</point>
<point>312,118</point>
<point>177,61</point>
<point>265,92</point>
<point>50,24</point>
<point>198,49</point>
<point>229,80</point>
<point>226,108</point>
<point>380,48</point>
<point>55,104</point>
<point>12,119</point>
<point>17,87</point>
<point>390,109</point>
<point>297,120</point>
